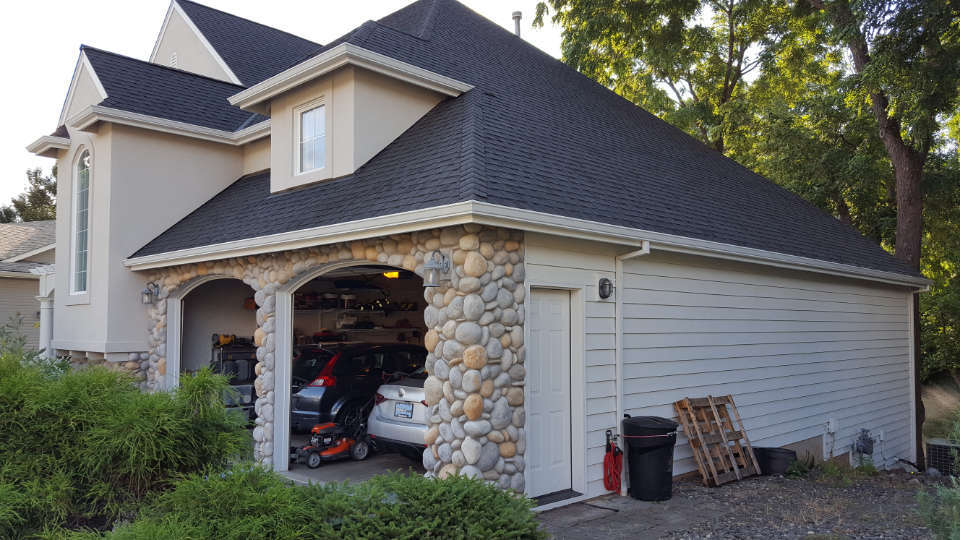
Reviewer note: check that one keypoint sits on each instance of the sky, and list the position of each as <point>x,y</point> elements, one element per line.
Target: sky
<point>40,41</point>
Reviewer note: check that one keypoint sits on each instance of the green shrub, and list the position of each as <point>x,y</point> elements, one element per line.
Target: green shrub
<point>248,502</point>
<point>941,511</point>
<point>81,448</point>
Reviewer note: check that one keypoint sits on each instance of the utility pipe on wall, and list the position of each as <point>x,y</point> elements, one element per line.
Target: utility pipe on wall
<point>618,291</point>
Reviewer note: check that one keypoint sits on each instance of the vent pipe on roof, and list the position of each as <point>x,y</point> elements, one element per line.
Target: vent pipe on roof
<point>516,22</point>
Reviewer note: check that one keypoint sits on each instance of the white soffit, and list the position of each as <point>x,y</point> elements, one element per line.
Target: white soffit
<point>256,97</point>
<point>91,115</point>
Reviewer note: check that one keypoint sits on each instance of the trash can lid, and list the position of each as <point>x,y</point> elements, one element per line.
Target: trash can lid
<point>650,422</point>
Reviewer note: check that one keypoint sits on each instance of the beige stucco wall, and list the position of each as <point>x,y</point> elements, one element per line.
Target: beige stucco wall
<point>19,305</point>
<point>192,54</point>
<point>365,112</point>
<point>84,94</point>
<point>256,156</point>
<point>142,183</point>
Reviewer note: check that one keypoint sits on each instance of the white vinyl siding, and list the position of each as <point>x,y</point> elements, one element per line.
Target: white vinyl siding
<point>576,264</point>
<point>81,223</point>
<point>794,349</point>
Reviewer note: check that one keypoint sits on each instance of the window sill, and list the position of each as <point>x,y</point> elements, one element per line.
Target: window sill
<point>77,299</point>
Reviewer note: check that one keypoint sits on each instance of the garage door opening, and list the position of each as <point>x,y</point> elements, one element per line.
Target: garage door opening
<point>357,406</point>
<point>219,320</point>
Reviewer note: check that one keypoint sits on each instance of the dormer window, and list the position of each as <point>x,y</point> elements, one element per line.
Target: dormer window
<point>311,130</point>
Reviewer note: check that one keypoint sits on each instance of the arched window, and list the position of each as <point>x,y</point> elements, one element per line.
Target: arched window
<point>81,223</point>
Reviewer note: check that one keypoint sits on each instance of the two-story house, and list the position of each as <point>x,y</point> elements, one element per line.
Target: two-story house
<point>564,256</point>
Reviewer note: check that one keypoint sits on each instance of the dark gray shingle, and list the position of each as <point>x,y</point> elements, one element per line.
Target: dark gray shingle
<point>533,134</point>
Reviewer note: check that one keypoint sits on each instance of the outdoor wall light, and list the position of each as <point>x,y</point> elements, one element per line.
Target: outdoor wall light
<point>605,288</point>
<point>150,293</point>
<point>436,269</point>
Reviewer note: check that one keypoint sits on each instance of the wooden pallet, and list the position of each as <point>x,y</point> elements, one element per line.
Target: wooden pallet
<point>721,450</point>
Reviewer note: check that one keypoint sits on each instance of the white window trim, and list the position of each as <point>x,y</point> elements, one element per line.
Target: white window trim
<point>297,113</point>
<point>79,297</point>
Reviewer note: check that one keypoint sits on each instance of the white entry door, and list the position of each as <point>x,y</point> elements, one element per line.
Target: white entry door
<point>548,393</point>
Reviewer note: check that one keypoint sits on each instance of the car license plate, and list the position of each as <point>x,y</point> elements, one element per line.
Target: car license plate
<point>403,409</point>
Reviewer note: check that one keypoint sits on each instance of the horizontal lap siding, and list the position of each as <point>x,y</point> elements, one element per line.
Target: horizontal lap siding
<point>575,264</point>
<point>794,349</point>
<point>19,306</point>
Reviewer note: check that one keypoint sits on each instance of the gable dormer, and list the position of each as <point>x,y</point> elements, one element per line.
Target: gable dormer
<point>210,42</point>
<point>183,46</point>
<point>332,113</point>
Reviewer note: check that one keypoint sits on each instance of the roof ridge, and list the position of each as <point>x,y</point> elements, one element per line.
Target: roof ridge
<point>84,47</point>
<point>247,20</point>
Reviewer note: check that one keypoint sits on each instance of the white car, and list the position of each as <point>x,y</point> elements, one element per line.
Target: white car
<point>398,421</point>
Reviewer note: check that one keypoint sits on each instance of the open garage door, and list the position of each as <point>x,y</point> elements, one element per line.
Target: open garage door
<point>357,407</point>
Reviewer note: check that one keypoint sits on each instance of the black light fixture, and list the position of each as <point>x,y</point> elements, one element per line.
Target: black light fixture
<point>150,293</point>
<point>605,288</point>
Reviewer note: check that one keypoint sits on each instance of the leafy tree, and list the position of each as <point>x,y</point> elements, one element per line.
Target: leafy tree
<point>906,64</point>
<point>38,202</point>
<point>685,60</point>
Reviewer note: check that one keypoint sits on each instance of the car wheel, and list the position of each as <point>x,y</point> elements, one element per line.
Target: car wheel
<point>314,460</point>
<point>360,450</point>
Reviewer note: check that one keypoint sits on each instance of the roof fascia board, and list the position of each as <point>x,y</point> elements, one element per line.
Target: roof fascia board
<point>163,31</point>
<point>82,62</point>
<point>175,6</point>
<point>438,216</point>
<point>18,275</point>
<point>43,146</point>
<point>492,214</point>
<point>254,98</point>
<point>96,113</point>
<point>31,253</point>
<point>528,220</point>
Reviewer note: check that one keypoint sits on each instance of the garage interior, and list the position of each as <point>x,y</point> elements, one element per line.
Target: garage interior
<point>371,318</point>
<point>371,313</point>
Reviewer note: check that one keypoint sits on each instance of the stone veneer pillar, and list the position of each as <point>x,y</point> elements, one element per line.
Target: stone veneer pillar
<point>475,340</point>
<point>475,387</point>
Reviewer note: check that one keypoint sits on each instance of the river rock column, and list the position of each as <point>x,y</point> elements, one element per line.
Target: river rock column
<point>475,387</point>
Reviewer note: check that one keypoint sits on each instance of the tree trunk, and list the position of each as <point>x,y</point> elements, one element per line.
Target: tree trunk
<point>908,171</point>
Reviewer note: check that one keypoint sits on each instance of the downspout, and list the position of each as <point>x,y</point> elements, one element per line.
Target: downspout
<point>618,291</point>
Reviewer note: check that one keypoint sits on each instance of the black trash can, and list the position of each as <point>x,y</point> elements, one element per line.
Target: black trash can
<point>774,460</point>
<point>649,442</point>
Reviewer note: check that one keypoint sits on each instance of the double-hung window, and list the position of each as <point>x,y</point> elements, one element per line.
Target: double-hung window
<point>311,138</point>
<point>81,224</point>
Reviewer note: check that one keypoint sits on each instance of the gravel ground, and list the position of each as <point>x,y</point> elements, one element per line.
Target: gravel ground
<point>854,506</point>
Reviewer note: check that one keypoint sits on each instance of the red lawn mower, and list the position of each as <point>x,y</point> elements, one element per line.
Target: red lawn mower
<point>333,441</point>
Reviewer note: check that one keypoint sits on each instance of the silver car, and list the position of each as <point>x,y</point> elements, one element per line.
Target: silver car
<point>398,421</point>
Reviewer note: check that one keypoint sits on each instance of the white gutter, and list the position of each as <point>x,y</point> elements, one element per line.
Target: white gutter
<point>96,113</point>
<point>526,220</point>
<point>618,290</point>
<point>18,275</point>
<point>256,97</point>
<point>43,145</point>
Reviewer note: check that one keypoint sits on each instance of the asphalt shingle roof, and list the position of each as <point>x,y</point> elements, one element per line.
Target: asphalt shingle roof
<point>533,134</point>
<point>19,238</point>
<point>253,51</point>
<point>141,87</point>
